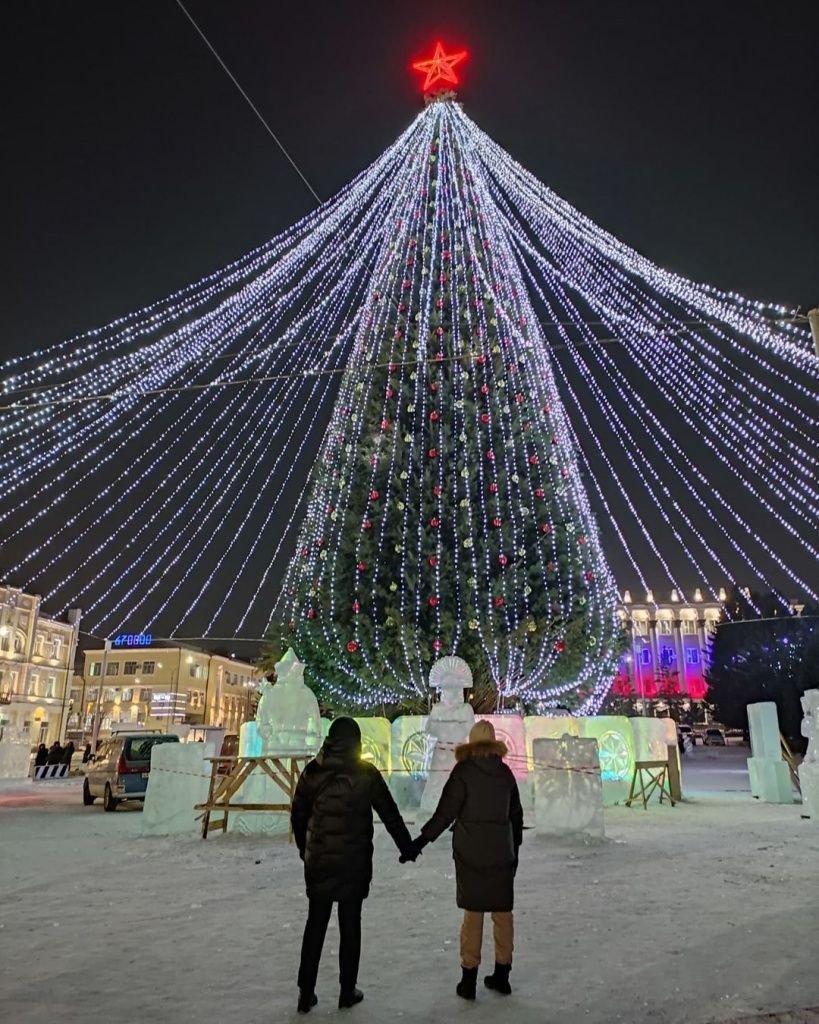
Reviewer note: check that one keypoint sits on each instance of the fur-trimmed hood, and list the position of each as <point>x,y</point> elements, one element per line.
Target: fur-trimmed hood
<point>483,748</point>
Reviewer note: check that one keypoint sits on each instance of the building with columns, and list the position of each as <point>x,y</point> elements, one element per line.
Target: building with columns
<point>36,667</point>
<point>145,685</point>
<point>669,644</point>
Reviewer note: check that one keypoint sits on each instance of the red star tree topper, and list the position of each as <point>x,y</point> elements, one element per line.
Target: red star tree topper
<point>440,67</point>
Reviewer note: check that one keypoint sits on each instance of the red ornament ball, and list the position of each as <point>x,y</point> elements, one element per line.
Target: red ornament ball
<point>484,417</point>
<point>311,614</point>
<point>362,566</point>
<point>433,561</point>
<point>490,455</point>
<point>437,645</point>
<point>436,490</point>
<point>385,424</point>
<point>374,495</point>
<point>356,606</point>
<point>352,646</point>
<point>366,525</point>
<point>589,576</point>
<point>560,647</point>
<point>435,522</point>
<point>433,415</point>
<point>499,602</point>
<point>493,488</point>
<point>533,460</point>
<point>545,528</point>
<point>484,389</point>
<point>433,602</point>
<point>433,453</point>
<point>540,493</point>
<point>503,559</point>
<point>497,521</point>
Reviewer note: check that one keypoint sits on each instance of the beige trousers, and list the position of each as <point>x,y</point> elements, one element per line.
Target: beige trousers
<point>472,937</point>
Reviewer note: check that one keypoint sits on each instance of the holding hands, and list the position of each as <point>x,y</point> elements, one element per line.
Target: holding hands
<point>413,851</point>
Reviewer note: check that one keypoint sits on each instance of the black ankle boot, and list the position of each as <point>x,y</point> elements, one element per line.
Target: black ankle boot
<point>307,1000</point>
<point>499,981</point>
<point>468,984</point>
<point>348,999</point>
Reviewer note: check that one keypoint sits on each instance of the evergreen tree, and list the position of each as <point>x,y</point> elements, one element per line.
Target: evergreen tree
<point>446,513</point>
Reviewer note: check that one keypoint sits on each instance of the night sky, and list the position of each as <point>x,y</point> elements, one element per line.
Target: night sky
<point>132,166</point>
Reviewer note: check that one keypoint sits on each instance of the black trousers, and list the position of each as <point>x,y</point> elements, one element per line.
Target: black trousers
<point>349,952</point>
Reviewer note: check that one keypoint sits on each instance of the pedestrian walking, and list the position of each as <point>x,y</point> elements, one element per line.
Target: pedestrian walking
<point>481,797</point>
<point>332,819</point>
<point>68,753</point>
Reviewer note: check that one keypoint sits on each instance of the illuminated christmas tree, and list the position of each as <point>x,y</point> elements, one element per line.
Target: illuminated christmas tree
<point>446,513</point>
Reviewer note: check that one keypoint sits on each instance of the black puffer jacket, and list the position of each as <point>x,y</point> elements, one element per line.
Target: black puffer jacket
<point>481,797</point>
<point>332,817</point>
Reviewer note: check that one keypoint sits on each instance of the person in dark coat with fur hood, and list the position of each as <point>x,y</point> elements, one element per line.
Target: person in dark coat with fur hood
<point>332,819</point>
<point>481,797</point>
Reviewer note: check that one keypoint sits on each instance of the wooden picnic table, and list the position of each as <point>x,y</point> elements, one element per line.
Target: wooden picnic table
<point>229,773</point>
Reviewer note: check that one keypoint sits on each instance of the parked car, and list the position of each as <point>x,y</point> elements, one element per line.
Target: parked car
<point>120,768</point>
<point>714,738</point>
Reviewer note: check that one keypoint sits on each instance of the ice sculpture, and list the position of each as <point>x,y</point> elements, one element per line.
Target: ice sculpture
<point>543,727</point>
<point>568,790</point>
<point>288,722</point>
<point>449,723</point>
<point>375,741</point>
<point>615,743</point>
<point>15,754</point>
<point>650,743</point>
<point>288,715</point>
<point>809,769</point>
<point>769,775</point>
<point>179,779</point>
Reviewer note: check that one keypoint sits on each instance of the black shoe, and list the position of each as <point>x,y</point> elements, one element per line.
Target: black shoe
<point>307,1000</point>
<point>348,999</point>
<point>468,984</point>
<point>499,981</point>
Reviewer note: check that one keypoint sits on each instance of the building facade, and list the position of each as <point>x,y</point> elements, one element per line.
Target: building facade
<point>668,654</point>
<point>36,667</point>
<point>154,686</point>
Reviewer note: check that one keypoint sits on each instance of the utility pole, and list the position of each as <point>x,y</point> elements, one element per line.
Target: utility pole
<point>95,733</point>
<point>813,320</point>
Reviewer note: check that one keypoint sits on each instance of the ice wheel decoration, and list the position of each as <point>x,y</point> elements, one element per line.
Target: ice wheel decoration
<point>615,758</point>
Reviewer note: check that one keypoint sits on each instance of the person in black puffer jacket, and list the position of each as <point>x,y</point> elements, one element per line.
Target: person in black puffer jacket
<point>332,818</point>
<point>481,797</point>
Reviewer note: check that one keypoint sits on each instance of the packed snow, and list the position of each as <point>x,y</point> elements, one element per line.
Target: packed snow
<point>706,912</point>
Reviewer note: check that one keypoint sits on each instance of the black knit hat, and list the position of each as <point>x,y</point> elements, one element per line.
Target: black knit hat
<point>344,732</point>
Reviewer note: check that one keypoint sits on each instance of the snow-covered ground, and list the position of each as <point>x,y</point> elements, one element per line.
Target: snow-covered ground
<point>705,912</point>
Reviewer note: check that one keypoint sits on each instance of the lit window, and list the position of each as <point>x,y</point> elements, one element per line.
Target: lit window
<point>112,669</point>
<point>131,668</point>
<point>692,656</point>
<point>666,655</point>
<point>689,627</point>
<point>148,668</point>
<point>664,626</point>
<point>51,687</point>
<point>645,656</point>
<point>93,668</point>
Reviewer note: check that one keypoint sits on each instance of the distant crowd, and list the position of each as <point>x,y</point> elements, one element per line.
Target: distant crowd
<point>58,754</point>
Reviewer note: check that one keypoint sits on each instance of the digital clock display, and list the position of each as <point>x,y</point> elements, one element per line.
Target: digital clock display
<point>133,640</point>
